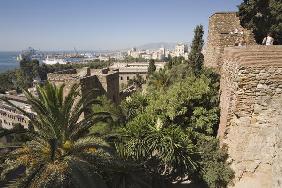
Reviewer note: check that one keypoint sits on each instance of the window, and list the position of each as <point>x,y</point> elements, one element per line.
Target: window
<point>121,78</point>
<point>127,78</point>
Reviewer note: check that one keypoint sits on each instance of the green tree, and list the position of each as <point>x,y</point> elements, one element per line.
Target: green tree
<point>134,105</point>
<point>159,80</point>
<point>195,57</point>
<point>7,80</point>
<point>263,17</point>
<point>151,67</point>
<point>27,72</point>
<point>104,129</point>
<point>61,153</point>
<point>169,132</point>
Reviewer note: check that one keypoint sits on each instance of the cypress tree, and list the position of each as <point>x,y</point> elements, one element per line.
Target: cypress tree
<point>196,58</point>
<point>152,67</point>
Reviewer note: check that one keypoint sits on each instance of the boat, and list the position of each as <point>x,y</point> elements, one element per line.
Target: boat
<point>53,61</point>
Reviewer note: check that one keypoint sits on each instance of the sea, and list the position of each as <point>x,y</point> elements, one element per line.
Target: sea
<point>8,61</point>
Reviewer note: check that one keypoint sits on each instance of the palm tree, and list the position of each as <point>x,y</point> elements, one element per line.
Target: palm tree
<point>160,79</point>
<point>166,152</point>
<point>61,152</point>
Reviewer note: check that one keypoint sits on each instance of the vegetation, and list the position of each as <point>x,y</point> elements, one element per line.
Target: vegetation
<point>158,136</point>
<point>171,128</point>
<point>138,81</point>
<point>60,152</point>
<point>130,59</point>
<point>151,67</point>
<point>196,58</point>
<point>263,17</point>
<point>7,80</point>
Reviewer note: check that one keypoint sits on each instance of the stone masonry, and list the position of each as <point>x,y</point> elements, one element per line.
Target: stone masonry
<point>101,82</point>
<point>224,31</point>
<point>251,114</point>
<point>250,102</point>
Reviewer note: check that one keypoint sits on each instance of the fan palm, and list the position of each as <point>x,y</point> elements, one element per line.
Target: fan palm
<point>61,153</point>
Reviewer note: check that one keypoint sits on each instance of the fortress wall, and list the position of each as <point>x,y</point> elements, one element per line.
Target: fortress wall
<point>96,81</point>
<point>224,31</point>
<point>251,114</point>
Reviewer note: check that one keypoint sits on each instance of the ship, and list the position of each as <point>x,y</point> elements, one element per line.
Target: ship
<point>53,61</point>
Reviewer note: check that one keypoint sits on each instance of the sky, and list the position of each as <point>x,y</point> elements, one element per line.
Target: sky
<point>102,24</point>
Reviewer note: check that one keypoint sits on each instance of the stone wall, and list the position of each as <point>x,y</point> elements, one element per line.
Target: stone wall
<point>100,82</point>
<point>251,114</point>
<point>124,77</point>
<point>224,31</point>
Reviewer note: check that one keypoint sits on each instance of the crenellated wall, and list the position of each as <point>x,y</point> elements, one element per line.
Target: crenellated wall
<point>251,114</point>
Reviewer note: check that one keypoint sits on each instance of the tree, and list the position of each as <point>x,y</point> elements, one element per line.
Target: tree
<point>152,67</point>
<point>263,17</point>
<point>7,81</point>
<point>138,81</point>
<point>104,129</point>
<point>196,58</point>
<point>172,129</point>
<point>29,69</point>
<point>61,153</point>
<point>160,79</point>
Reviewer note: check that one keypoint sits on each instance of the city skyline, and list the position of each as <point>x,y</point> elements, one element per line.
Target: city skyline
<point>102,25</point>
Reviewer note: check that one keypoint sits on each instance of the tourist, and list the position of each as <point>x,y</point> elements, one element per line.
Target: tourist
<point>268,40</point>
<point>242,42</point>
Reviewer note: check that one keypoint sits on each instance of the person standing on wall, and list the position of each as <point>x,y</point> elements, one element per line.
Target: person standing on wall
<point>268,40</point>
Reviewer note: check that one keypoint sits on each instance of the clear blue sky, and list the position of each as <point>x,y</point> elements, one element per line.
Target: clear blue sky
<point>102,24</point>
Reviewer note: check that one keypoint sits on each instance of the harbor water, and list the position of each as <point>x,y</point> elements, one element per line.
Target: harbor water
<point>8,61</point>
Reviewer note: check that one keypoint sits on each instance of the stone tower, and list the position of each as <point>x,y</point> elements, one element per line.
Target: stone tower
<point>224,31</point>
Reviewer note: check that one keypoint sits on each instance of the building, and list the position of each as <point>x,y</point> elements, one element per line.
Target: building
<point>157,54</point>
<point>180,50</point>
<point>129,71</point>
<point>10,116</point>
<point>100,81</point>
<point>146,56</point>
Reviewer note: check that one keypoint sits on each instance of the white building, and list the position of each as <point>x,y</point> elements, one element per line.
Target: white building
<point>146,56</point>
<point>180,50</point>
